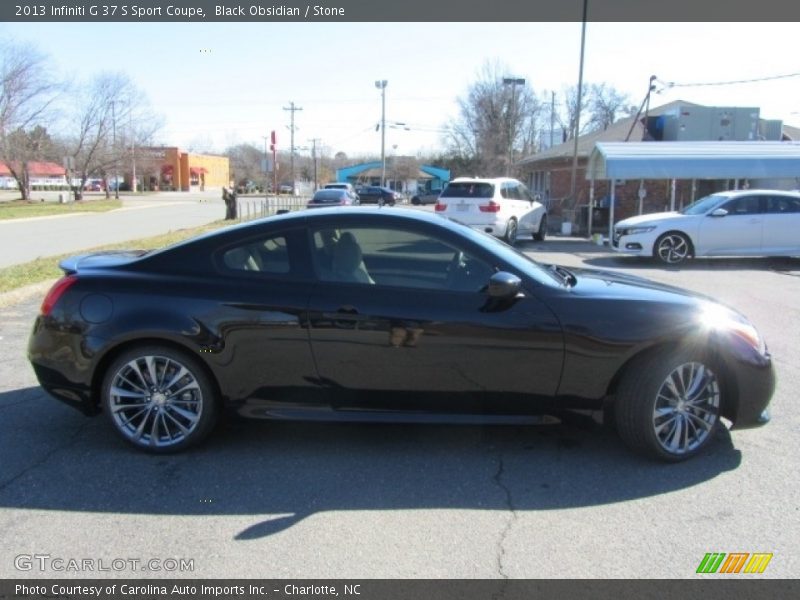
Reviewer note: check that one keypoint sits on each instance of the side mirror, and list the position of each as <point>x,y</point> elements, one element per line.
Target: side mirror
<point>718,212</point>
<point>504,285</point>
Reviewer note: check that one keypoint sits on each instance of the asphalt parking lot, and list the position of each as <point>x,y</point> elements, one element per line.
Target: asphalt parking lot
<point>292,500</point>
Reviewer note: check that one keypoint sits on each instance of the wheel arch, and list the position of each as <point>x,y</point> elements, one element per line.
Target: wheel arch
<point>728,397</point>
<point>687,235</point>
<point>115,351</point>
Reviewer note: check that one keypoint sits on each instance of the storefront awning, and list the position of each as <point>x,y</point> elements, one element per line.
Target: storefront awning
<point>694,160</point>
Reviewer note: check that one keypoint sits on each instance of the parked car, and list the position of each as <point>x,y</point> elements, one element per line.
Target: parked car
<point>247,187</point>
<point>502,206</point>
<point>734,223</point>
<point>94,185</point>
<point>360,313</point>
<point>375,194</point>
<point>286,188</point>
<point>340,185</point>
<point>332,197</point>
<point>425,197</point>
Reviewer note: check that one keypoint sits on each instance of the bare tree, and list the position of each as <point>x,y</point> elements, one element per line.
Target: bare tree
<point>113,117</point>
<point>494,122</point>
<point>245,161</point>
<point>567,116</point>
<point>26,96</point>
<point>607,105</point>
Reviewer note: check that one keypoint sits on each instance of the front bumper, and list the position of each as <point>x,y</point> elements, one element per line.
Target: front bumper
<point>634,245</point>
<point>754,386</point>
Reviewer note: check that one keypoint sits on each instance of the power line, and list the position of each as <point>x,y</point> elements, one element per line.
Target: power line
<point>672,84</point>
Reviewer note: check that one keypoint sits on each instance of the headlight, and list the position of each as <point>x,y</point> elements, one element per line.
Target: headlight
<point>718,318</point>
<point>635,230</point>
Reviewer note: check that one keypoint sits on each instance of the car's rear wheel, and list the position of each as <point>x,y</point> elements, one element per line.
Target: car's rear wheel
<point>511,232</point>
<point>415,201</point>
<point>673,248</point>
<point>541,233</point>
<point>668,404</point>
<point>159,399</point>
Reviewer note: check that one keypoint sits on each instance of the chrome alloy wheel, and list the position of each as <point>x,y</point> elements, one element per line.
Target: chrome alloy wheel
<point>686,408</point>
<point>155,401</point>
<point>673,248</point>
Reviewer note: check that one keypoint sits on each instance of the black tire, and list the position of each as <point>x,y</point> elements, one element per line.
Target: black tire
<point>510,236</point>
<point>541,234</point>
<point>668,404</point>
<point>673,248</point>
<point>159,399</point>
<point>415,201</point>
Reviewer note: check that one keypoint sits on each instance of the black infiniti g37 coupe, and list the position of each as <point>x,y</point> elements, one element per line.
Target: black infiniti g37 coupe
<point>377,314</point>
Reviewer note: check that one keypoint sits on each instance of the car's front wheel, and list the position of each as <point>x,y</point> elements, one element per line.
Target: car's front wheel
<point>673,248</point>
<point>159,399</point>
<point>668,404</point>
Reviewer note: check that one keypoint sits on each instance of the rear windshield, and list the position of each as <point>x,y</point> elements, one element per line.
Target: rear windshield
<point>468,190</point>
<point>328,196</point>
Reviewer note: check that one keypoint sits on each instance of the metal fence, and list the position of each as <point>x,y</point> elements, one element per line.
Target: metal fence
<point>256,208</point>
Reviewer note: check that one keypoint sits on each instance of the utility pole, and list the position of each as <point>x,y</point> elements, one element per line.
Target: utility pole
<point>293,109</point>
<point>314,158</point>
<point>576,133</point>
<point>512,121</point>
<point>381,85</point>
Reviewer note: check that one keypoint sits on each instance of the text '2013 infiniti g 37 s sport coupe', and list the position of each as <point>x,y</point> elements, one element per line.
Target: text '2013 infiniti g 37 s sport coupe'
<point>377,314</point>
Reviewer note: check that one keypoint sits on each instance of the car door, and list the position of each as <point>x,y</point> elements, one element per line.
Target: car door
<point>258,330</point>
<point>418,331</point>
<point>782,226</point>
<point>739,232</point>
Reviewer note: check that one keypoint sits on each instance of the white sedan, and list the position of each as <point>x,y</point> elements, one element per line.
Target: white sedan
<point>734,223</point>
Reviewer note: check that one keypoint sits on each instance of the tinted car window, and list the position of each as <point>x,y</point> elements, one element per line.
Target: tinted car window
<point>396,257</point>
<point>745,205</point>
<point>468,190</point>
<point>783,204</point>
<point>269,255</point>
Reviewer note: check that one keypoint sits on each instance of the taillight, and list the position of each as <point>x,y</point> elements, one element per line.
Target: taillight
<point>55,293</point>
<point>492,207</point>
<point>441,207</point>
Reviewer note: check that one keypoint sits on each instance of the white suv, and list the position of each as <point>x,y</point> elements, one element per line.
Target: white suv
<point>501,206</point>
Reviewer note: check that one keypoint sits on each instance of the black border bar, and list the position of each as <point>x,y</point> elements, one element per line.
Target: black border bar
<point>108,11</point>
<point>709,587</point>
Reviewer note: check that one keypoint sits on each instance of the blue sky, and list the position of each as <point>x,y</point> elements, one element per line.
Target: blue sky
<point>218,84</point>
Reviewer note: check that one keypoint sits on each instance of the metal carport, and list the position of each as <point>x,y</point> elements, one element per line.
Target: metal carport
<point>690,160</point>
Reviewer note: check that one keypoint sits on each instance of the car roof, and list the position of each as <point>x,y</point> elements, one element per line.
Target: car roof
<point>483,179</point>
<point>736,193</point>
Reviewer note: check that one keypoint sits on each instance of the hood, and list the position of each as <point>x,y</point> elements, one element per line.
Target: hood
<point>651,219</point>
<point>611,284</point>
<point>75,264</point>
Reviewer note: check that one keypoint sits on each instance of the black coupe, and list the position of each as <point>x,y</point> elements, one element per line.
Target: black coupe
<point>376,314</point>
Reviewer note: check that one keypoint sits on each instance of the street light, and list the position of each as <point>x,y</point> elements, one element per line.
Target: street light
<point>513,82</point>
<point>381,85</point>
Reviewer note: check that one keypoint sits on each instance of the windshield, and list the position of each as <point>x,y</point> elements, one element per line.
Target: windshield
<point>703,205</point>
<point>515,258</point>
